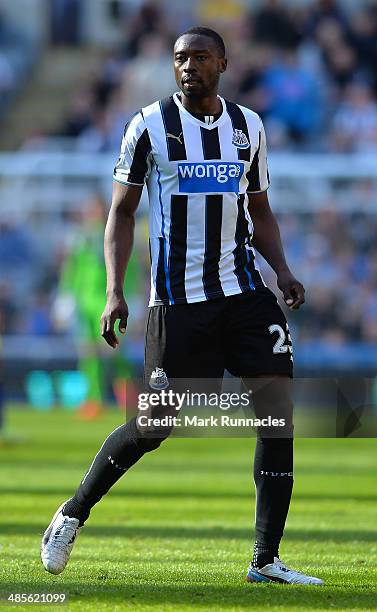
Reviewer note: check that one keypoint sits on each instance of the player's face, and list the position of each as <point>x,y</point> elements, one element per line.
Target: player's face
<point>197,65</point>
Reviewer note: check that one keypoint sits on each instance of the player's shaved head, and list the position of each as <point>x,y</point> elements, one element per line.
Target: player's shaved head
<point>209,33</point>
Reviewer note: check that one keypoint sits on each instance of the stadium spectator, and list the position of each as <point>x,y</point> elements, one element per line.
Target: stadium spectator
<point>37,320</point>
<point>274,25</point>
<point>252,87</point>
<point>17,55</point>
<point>96,138</point>
<point>325,11</point>
<point>341,64</point>
<point>223,13</point>
<point>293,96</point>
<point>149,74</point>
<point>363,35</point>
<point>7,76</point>
<point>355,122</point>
<point>80,114</point>
<point>8,310</point>
<point>16,248</point>
<point>65,21</point>
<point>150,19</point>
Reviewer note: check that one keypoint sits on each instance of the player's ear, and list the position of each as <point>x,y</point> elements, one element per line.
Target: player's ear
<point>223,64</point>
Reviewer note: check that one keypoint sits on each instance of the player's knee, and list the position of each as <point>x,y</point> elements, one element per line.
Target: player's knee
<point>280,427</point>
<point>150,437</point>
<point>273,399</point>
<point>147,444</point>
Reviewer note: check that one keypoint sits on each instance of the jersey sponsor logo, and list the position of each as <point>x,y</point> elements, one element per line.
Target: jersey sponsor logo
<point>240,140</point>
<point>210,177</point>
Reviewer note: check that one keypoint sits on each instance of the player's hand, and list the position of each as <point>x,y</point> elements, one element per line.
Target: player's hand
<point>116,308</point>
<point>292,289</point>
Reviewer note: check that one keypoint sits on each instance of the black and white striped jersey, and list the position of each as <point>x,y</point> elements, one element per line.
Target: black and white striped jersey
<point>198,176</point>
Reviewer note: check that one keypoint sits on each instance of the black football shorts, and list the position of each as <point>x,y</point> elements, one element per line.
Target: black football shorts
<point>246,334</point>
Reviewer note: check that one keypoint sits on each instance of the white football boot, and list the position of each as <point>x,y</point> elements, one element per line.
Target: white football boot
<point>58,541</point>
<point>278,572</point>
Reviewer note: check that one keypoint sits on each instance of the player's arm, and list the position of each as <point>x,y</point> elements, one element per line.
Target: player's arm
<point>130,173</point>
<point>266,237</point>
<point>267,241</point>
<point>118,242</point>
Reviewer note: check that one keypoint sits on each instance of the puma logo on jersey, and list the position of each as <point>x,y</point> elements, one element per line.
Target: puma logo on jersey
<point>176,137</point>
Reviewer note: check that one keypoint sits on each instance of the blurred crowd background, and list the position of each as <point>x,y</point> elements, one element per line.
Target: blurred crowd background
<point>309,69</point>
<point>68,87</point>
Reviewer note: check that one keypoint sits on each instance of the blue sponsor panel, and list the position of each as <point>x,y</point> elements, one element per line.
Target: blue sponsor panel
<point>210,177</point>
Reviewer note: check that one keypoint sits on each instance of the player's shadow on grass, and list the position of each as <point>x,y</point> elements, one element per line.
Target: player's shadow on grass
<point>185,494</point>
<point>201,470</point>
<point>216,532</point>
<point>243,595</point>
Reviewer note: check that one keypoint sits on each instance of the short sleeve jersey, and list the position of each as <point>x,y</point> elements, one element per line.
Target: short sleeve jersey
<point>198,177</point>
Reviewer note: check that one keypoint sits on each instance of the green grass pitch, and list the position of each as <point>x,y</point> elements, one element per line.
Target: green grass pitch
<point>176,532</point>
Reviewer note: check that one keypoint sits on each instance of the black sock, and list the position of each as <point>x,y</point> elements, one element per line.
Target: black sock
<point>263,555</point>
<point>273,476</point>
<point>273,465</point>
<point>121,449</point>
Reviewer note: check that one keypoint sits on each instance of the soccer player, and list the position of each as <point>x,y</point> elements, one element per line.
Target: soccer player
<point>203,159</point>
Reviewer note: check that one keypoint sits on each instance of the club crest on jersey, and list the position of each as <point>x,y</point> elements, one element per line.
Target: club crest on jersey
<point>240,140</point>
<point>158,379</point>
<point>210,177</point>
